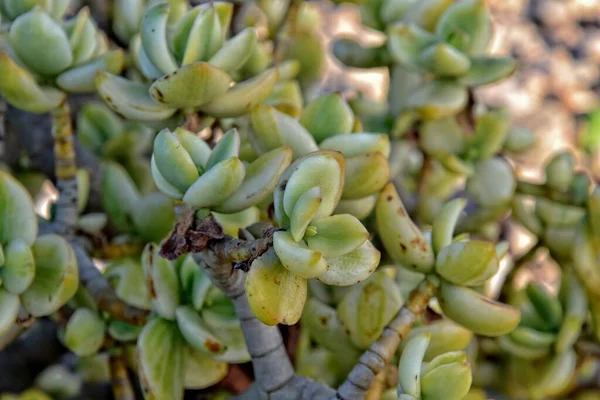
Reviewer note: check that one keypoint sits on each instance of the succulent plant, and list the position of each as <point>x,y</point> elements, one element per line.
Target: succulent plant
<point>221,191</point>
<point>43,59</point>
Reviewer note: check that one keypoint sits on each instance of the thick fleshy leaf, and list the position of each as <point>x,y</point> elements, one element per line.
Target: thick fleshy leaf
<point>467,263</point>
<point>153,30</point>
<point>358,144</point>
<point>56,276</point>
<point>446,336</point>
<point>275,295</point>
<point>162,281</point>
<point>162,184</point>
<point>197,148</point>
<point>327,329</point>
<point>448,381</point>
<point>196,332</point>
<point>486,70</point>
<point>442,135</point>
<point>360,208</point>
<point>324,170</point>
<point>444,60</point>
<point>560,171</point>
<point>467,25</point>
<point>125,277</point>
<point>304,211</point>
<point>9,309</point>
<point>287,98</point>
<point>81,79</point>
<point>402,239</point>
<point>243,97</point>
<point>555,376</point>
<point>327,116</point>
<point>19,267</point>
<point>236,51</point>
<point>154,217</point>
<point>141,60</point>
<point>260,180</point>
<point>272,129</point>
<point>204,37</point>
<point>21,90</point>
<point>84,334</point>
<point>493,182</point>
<point>297,257</point>
<point>445,222</point>
<point>190,86</point>
<point>476,312</point>
<point>227,147</point>
<point>202,371</point>
<point>337,235</point>
<point>161,354</point>
<point>366,174</point>
<point>216,185</point>
<point>352,267</point>
<point>427,13</point>
<point>406,42</point>
<point>130,99</point>
<point>40,43</point>
<point>438,99</point>
<point>120,196</point>
<point>411,360</point>
<point>307,48</point>
<point>367,308</point>
<point>81,32</point>
<point>173,161</point>
<point>122,331</point>
<point>558,214</point>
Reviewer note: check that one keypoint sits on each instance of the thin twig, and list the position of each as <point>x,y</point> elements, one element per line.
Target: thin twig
<point>66,169</point>
<point>121,385</point>
<point>103,295</point>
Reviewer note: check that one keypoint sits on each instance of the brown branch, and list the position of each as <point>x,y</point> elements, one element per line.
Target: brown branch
<point>65,169</point>
<point>104,296</point>
<point>121,385</point>
<point>191,237</point>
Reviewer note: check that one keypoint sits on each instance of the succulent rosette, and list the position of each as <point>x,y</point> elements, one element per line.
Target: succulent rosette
<point>462,264</point>
<point>312,243</point>
<point>185,168</point>
<point>189,63</point>
<point>194,324</point>
<point>12,9</point>
<point>44,58</point>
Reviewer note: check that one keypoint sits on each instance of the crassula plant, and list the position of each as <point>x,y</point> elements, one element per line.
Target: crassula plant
<point>223,223</point>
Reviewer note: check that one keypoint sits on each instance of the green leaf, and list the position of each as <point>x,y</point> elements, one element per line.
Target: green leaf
<point>40,43</point>
<point>190,86</point>
<point>337,235</point>
<point>9,309</point>
<point>84,334</point>
<point>162,281</point>
<point>161,352</point>
<point>275,295</point>
<point>19,267</point>
<point>21,90</point>
<point>56,276</point>
<point>327,115</point>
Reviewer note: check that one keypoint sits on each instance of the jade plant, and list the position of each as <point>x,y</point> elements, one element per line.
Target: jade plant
<point>225,224</point>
